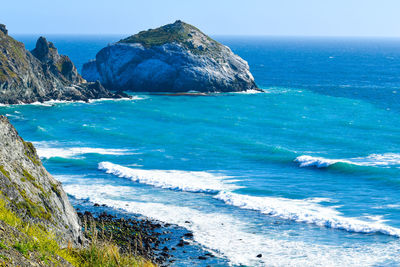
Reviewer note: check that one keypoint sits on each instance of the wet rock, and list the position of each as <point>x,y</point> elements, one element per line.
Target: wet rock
<point>189,235</point>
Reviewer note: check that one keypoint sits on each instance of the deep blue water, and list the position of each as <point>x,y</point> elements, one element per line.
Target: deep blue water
<point>306,173</point>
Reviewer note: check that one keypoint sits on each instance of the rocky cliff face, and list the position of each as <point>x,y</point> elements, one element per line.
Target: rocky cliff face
<point>174,58</point>
<point>30,191</point>
<point>41,75</point>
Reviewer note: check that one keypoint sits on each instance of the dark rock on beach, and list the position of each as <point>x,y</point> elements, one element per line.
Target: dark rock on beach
<point>41,75</point>
<point>131,235</point>
<point>176,57</point>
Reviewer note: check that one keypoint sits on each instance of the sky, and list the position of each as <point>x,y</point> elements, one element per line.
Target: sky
<point>215,17</point>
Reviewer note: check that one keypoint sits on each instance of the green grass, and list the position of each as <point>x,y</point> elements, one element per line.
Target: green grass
<point>43,243</point>
<point>177,32</point>
<point>2,245</point>
<point>32,208</point>
<point>30,152</point>
<point>4,172</point>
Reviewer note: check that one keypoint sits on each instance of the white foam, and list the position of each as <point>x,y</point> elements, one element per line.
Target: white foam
<point>380,160</point>
<point>47,152</point>
<point>227,236</point>
<point>319,162</point>
<point>306,212</point>
<point>51,103</point>
<point>191,181</point>
<point>375,160</point>
<point>135,97</point>
<point>249,92</point>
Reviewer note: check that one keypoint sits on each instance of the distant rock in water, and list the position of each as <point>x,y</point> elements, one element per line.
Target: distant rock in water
<point>41,74</point>
<point>176,57</point>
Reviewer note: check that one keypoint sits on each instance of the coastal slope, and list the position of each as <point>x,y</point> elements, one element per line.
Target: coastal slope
<point>176,57</point>
<point>41,75</point>
<point>39,226</point>
<point>30,191</point>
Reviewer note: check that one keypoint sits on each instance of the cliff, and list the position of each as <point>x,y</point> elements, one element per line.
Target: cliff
<point>29,192</point>
<point>41,75</point>
<point>176,57</point>
<point>39,227</point>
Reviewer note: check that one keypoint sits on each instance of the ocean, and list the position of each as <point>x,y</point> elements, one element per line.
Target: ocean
<point>305,174</point>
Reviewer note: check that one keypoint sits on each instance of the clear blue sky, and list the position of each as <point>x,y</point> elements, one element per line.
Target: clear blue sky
<point>214,17</point>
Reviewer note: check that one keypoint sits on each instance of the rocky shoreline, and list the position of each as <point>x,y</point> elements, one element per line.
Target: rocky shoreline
<point>42,75</point>
<point>153,240</point>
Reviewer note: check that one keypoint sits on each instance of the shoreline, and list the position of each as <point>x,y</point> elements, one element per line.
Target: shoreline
<point>163,243</point>
<point>53,102</point>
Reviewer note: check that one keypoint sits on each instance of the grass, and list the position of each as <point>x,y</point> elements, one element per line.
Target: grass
<point>4,172</point>
<point>37,241</point>
<point>179,32</point>
<point>30,152</point>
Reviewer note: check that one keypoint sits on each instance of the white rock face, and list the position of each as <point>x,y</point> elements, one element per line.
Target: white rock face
<point>193,62</point>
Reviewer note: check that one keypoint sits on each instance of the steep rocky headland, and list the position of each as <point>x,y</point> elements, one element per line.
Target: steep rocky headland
<point>39,226</point>
<point>176,57</point>
<point>32,194</point>
<point>41,75</point>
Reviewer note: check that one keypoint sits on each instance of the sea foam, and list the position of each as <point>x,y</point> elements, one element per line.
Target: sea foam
<point>232,238</point>
<point>373,160</point>
<point>191,181</point>
<point>319,162</point>
<point>306,211</point>
<point>47,152</point>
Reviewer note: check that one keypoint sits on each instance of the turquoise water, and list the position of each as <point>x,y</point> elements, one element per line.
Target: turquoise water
<point>306,173</point>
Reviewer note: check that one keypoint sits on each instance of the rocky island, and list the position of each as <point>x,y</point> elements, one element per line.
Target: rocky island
<point>41,75</point>
<point>176,57</point>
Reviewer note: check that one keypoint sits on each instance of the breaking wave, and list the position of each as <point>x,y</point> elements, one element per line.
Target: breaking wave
<point>306,211</point>
<point>191,181</point>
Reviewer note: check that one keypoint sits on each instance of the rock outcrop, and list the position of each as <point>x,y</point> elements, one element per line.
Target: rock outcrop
<point>177,57</point>
<point>41,75</point>
<point>31,192</point>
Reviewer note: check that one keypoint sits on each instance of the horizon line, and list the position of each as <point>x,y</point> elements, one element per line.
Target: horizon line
<point>220,35</point>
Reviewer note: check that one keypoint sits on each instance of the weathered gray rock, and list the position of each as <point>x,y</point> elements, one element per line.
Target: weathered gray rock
<point>31,191</point>
<point>3,28</point>
<point>42,75</point>
<point>174,58</point>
